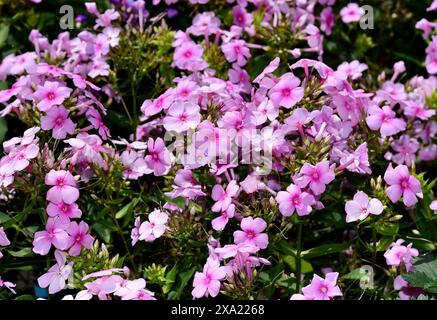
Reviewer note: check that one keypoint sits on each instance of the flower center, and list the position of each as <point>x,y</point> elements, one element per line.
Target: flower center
<point>51,95</point>
<point>188,54</point>
<point>59,121</point>
<point>286,92</point>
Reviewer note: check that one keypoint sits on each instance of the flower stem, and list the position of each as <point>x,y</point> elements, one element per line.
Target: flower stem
<point>298,258</point>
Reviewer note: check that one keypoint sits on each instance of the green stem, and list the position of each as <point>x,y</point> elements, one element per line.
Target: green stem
<point>134,104</point>
<point>298,258</point>
<point>374,248</point>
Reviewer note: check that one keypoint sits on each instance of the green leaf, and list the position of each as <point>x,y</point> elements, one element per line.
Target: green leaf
<point>4,33</point>
<point>291,262</point>
<point>387,228</point>
<point>103,232</point>
<point>324,250</point>
<point>384,243</point>
<point>170,278</point>
<point>25,297</point>
<point>183,278</point>
<point>355,274</point>
<point>25,252</point>
<point>3,124</point>
<point>424,275</point>
<point>127,209</point>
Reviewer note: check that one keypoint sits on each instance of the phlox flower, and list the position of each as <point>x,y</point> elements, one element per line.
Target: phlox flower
<point>406,148</point>
<point>54,234</point>
<point>236,50</point>
<point>223,197</point>
<point>135,232</point>
<point>185,186</point>
<point>294,200</point>
<point>353,70</point>
<point>321,289</point>
<point>163,102</point>
<point>417,110</point>
<point>159,158</point>
<point>406,291</point>
<point>398,254</point>
<point>241,17</point>
<point>297,120</point>
<point>57,120</point>
<point>64,187</point>
<point>402,184</point>
<point>317,177</point>
<point>220,222</point>
<point>63,211</point>
<point>384,120</point>
<point>188,56</point>
<point>182,116</point>
<point>358,161</point>
<point>81,295</point>
<point>51,94</point>
<point>57,275</point>
<point>4,241</point>
<point>23,62</point>
<point>155,227</point>
<point>252,232</point>
<point>79,238</point>
<point>207,282</point>
<point>104,286</point>
<point>8,285</point>
<point>21,156</point>
<point>361,206</point>
<point>134,163</point>
<point>204,24</point>
<point>351,13</point>
<point>327,20</point>
<point>286,93</point>
<point>98,67</point>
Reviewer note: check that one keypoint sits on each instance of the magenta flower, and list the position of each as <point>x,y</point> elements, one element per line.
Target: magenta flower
<point>236,50</point>
<point>182,116</point>
<point>79,238</point>
<point>4,241</point>
<point>223,197</point>
<point>402,184</point>
<point>286,93</point>
<point>317,177</point>
<point>57,275</point>
<point>159,158</point>
<point>252,232</point>
<point>64,187</point>
<point>220,222</point>
<point>294,200</point>
<point>384,120</point>
<point>58,121</point>
<point>63,211</point>
<point>351,13</point>
<point>207,283</point>
<point>155,227</point>
<point>361,206</point>
<point>51,94</point>
<point>398,254</point>
<point>323,289</point>
<point>54,234</point>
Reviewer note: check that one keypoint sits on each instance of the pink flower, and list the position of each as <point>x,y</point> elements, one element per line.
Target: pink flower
<point>55,278</point>
<point>361,206</point>
<point>323,289</point>
<point>353,70</point>
<point>223,197</point>
<point>433,206</point>
<point>252,233</point>
<point>317,177</point>
<point>406,148</point>
<point>4,241</point>
<point>21,156</point>
<point>398,254</point>
<point>402,184</point>
<point>358,161</point>
<point>207,283</point>
<point>384,120</point>
<point>64,187</point>
<point>294,199</point>
<point>182,116</point>
<point>236,50</point>
<point>51,94</point>
<point>286,93</point>
<point>57,119</point>
<point>351,13</point>
<point>135,233</point>
<point>8,285</point>
<point>297,120</point>
<point>417,110</point>
<point>327,20</point>
<point>79,238</point>
<point>54,234</point>
<point>188,56</point>
<point>185,186</point>
<point>241,17</point>
<point>155,227</point>
<point>220,222</point>
<point>406,291</point>
<point>159,158</point>
<point>204,24</point>
<point>63,211</point>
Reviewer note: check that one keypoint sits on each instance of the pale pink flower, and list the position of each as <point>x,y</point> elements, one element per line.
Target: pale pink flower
<point>4,241</point>
<point>417,110</point>
<point>361,206</point>
<point>398,254</point>
<point>8,285</point>
<point>64,187</point>
<point>58,121</point>
<point>286,93</point>
<point>54,234</point>
<point>323,289</point>
<point>57,275</point>
<point>63,211</point>
<point>79,238</point>
<point>220,222</point>
<point>223,197</point>
<point>317,177</point>
<point>188,56</point>
<point>182,116</point>
<point>21,156</point>
<point>384,120</point>
<point>402,184</point>
<point>207,283</point>
<point>294,200</point>
<point>351,13</point>
<point>51,94</point>
<point>236,50</point>
<point>135,232</point>
<point>159,158</point>
<point>155,227</point>
<point>252,232</point>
